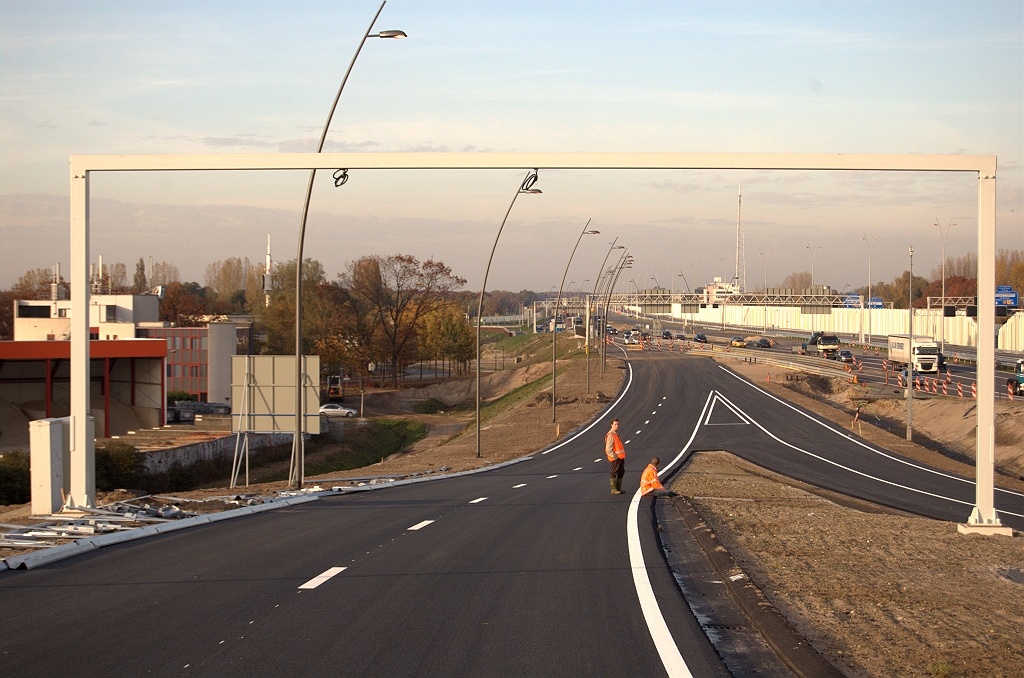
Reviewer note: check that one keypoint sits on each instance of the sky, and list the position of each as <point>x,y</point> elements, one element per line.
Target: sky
<point>236,77</point>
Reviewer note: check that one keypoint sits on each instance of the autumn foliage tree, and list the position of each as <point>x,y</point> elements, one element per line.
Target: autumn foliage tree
<point>393,295</point>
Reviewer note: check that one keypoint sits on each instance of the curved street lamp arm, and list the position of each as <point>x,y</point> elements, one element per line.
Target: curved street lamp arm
<point>554,328</point>
<point>297,467</point>
<point>480,303</point>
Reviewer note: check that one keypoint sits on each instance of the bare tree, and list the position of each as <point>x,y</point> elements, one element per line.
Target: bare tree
<point>798,281</point>
<point>394,294</point>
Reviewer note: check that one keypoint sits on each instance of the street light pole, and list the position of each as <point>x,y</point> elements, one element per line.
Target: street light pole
<point>871,245</point>
<point>624,259</point>
<point>765,257</point>
<point>942,317</point>
<point>814,251</point>
<point>910,343</point>
<point>554,333</point>
<point>525,187</point>
<point>297,465</point>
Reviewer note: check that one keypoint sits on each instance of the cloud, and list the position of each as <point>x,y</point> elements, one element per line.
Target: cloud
<point>97,123</point>
<point>815,85</point>
<point>46,124</point>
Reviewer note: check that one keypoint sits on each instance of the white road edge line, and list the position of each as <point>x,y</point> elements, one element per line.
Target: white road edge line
<point>477,501</point>
<point>861,473</point>
<point>321,578</point>
<point>622,395</point>
<point>673,661</point>
<point>854,440</point>
<point>420,526</point>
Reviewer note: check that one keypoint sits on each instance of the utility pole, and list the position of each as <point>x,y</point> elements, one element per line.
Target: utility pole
<point>910,367</point>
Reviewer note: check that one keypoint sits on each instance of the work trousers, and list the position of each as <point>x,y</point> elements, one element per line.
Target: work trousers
<point>618,468</point>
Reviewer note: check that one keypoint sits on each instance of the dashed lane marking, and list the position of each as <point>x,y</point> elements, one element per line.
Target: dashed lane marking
<point>514,487</point>
<point>638,433</point>
<point>477,501</point>
<point>578,468</point>
<point>420,526</point>
<point>596,460</point>
<point>554,476</point>
<point>645,423</point>
<point>321,578</point>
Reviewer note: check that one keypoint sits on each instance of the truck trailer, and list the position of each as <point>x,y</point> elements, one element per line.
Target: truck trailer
<point>925,358</point>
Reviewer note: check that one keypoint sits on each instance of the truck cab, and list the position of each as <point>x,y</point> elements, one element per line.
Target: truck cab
<point>1017,381</point>
<point>821,345</point>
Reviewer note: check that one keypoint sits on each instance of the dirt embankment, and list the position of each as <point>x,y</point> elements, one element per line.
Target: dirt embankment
<point>877,592</point>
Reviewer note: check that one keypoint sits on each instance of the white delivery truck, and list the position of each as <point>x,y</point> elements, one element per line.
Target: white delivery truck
<point>925,358</point>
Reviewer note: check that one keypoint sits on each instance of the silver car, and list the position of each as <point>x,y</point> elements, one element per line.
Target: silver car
<point>335,410</point>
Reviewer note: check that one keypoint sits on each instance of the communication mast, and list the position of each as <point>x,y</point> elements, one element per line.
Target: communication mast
<point>741,262</point>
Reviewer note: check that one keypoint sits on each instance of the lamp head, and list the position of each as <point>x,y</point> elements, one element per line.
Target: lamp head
<point>528,183</point>
<point>396,35</point>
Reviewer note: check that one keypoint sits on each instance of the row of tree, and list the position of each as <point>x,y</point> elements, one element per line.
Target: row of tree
<point>961,277</point>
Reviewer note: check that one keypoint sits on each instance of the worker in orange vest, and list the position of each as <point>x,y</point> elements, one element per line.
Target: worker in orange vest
<point>649,483</point>
<point>616,453</point>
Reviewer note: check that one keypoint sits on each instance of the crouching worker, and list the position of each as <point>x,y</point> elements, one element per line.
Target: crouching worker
<point>649,483</point>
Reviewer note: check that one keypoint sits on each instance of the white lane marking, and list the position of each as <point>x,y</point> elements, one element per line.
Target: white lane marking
<point>659,404</point>
<point>663,397</point>
<point>477,501</point>
<point>647,422</point>
<point>518,486</point>
<point>655,411</point>
<point>673,661</point>
<point>638,432</point>
<point>627,442</point>
<point>321,578</point>
<point>622,395</point>
<point>596,460</point>
<point>554,476</point>
<point>855,471</point>
<point>858,442</point>
<point>420,526</point>
<point>578,468</point>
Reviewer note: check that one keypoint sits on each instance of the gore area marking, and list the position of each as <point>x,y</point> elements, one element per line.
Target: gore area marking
<point>518,486</point>
<point>578,468</point>
<point>420,526</point>
<point>554,476</point>
<point>321,578</point>
<point>477,501</point>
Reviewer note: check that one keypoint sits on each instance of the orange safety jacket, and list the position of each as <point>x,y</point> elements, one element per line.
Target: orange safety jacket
<point>613,446</point>
<point>649,480</point>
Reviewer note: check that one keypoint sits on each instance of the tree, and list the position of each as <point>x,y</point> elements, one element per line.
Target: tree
<point>398,292</point>
<point>898,291</point>
<point>34,284</point>
<point>164,273</point>
<point>797,281</point>
<point>964,267</point>
<point>117,279</point>
<point>1005,261</point>
<point>139,281</point>
<point>184,304</point>
<point>447,333</point>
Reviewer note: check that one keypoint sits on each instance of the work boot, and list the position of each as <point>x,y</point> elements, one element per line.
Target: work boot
<point>613,482</point>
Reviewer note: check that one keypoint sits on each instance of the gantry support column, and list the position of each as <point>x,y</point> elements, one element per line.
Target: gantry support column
<point>83,467</point>
<point>984,519</point>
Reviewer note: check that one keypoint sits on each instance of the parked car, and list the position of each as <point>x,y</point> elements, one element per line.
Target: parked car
<point>738,342</point>
<point>845,356</point>
<point>336,410</point>
<point>666,334</point>
<point>763,342</point>
<point>700,338</point>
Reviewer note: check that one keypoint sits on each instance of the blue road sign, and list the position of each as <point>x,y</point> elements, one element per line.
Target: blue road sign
<point>1007,299</point>
<point>1004,289</point>
<point>876,302</point>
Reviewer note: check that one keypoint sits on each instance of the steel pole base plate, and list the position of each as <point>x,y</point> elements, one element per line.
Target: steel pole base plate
<point>977,524</point>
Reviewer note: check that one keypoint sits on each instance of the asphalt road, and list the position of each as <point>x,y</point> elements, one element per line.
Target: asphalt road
<point>532,569</point>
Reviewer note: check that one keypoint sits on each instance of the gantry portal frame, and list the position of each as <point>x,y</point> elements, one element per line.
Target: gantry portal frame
<point>982,518</point>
